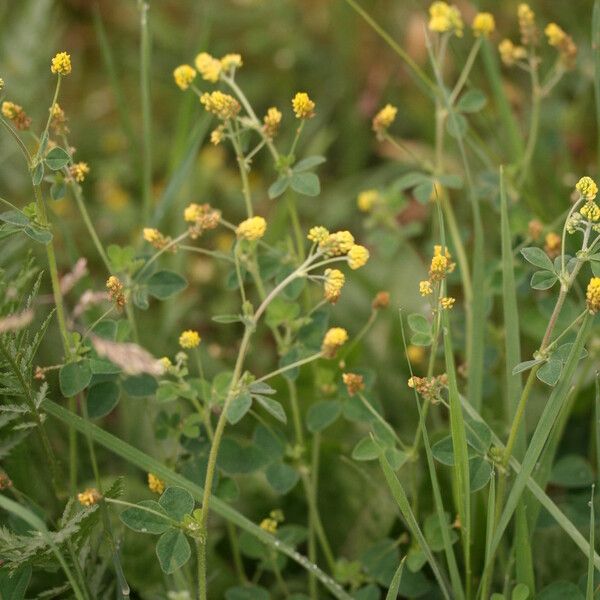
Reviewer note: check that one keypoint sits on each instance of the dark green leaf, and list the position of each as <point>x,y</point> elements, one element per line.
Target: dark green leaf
<point>164,284</point>
<point>543,280</point>
<point>550,372</point>
<point>471,101</point>
<point>247,592</point>
<point>146,521</point>
<point>102,398</point>
<point>306,183</point>
<point>238,407</point>
<point>37,174</point>
<point>322,414</point>
<point>177,502</point>
<point>308,163</point>
<point>74,377</point>
<point>281,477</point>
<point>273,407</point>
<point>572,471</point>
<point>537,257</point>
<point>480,471</point>
<point>173,550</point>
<point>57,158</point>
<point>140,386</point>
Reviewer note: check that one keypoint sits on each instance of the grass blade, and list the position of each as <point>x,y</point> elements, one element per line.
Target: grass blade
<point>404,505</point>
<point>596,55</point>
<point>147,463</point>
<point>589,595</point>
<point>395,585</point>
<point>145,49</point>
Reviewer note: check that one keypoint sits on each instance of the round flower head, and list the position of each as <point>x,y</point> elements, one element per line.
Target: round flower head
<point>443,18</point>
<point>593,295</point>
<point>269,525</point>
<point>189,339</point>
<point>447,303</point>
<point>89,497</point>
<point>334,339</point>
<point>591,211</point>
<point>555,34</point>
<point>155,484</point>
<point>384,118</point>
<point>16,114</point>
<point>217,135</point>
<point>527,26</point>
<point>252,229</point>
<point>271,121</point>
<point>483,24</point>
<point>553,244</point>
<point>304,107</point>
<point>208,66</point>
<point>334,282</point>
<point>357,256</point>
<point>318,234</point>
<point>354,383</point>
<point>366,200</point>
<point>184,75</point>
<point>61,64</point>
<point>221,105</point>
<point>509,53</point>
<point>425,287</point>
<point>562,42</point>
<point>587,187</point>
<point>337,243</point>
<point>231,61</point>
<point>79,171</point>
<point>1,84</point>
<point>115,291</point>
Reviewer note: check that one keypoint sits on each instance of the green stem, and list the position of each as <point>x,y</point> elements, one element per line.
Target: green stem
<point>143,7</point>
<point>462,79</point>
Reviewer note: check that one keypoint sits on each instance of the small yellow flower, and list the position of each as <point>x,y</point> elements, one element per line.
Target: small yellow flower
<point>61,64</point>
<point>184,75</point>
<point>357,256</point>
<point>447,303</point>
<point>217,135</point>
<point>384,118</point>
<point>156,238</point>
<point>367,199</point>
<point>304,107</point>
<point>318,234</point>
<point>416,354</point>
<point>443,18</point>
<point>483,24</point>
<point>89,497</point>
<point>354,383</point>
<point>231,61</point>
<point>191,213</point>
<point>590,211</point>
<point>334,282</point>
<point>587,187</point>
<point>425,287</point>
<point>334,339</point>
<point>155,484</point>
<point>202,217</point>
<point>221,105</point>
<point>509,53</point>
<point>79,171</point>
<point>337,243</point>
<point>189,339</point>
<point>252,229</point>
<point>208,66</point>
<point>166,363</point>
<point>269,525</point>
<point>593,295</point>
<point>527,24</point>
<point>562,42</point>
<point>553,244</point>
<point>115,291</point>
<point>555,34</point>
<point>271,121</point>
<point>1,84</point>
<point>16,114</point>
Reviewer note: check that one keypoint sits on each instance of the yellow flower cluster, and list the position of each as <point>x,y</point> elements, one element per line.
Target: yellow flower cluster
<point>1,84</point>
<point>271,121</point>
<point>527,24</point>
<point>115,291</point>
<point>553,244</point>
<point>354,383</point>
<point>304,107</point>
<point>447,302</point>
<point>189,339</point>
<point>367,199</point>
<point>78,171</point>
<point>221,105</point>
<point>217,135</point>
<point>58,119</point>
<point>156,238</point>
<point>231,61</point>
<point>593,295</point>
<point>269,525</point>
<point>202,217</point>
<point>334,282</point>
<point>334,339</point>
<point>89,497</point>
<point>441,264</point>
<point>155,484</point>
<point>444,18</point>
<point>16,114</point>
<point>425,287</point>
<point>357,256</point>
<point>184,75</point>
<point>483,24</point>
<point>208,66</point>
<point>318,234</point>
<point>562,42</point>
<point>384,118</point>
<point>252,229</point>
<point>61,64</point>
<point>510,54</point>
<point>587,187</point>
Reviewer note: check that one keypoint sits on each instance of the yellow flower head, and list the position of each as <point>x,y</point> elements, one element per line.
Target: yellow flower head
<point>384,118</point>
<point>416,354</point>
<point>115,291</point>
<point>201,217</point>
<point>447,303</point>
<point>357,256</point>
<point>553,244</point>
<point>252,229</point>
<point>318,234</point>
<point>337,243</point>
<point>425,287</point>
<point>334,339</point>
<point>587,187</point>
<point>189,339</point>
<point>1,84</point>
<point>269,525</point>
<point>16,114</point>
<point>562,42</point>
<point>354,383</point>
<point>334,282</point>
<point>443,17</point>
<point>509,53</point>
<point>590,211</point>
<point>217,135</point>
<point>79,171</point>
<point>221,105</point>
<point>156,238</point>
<point>304,107</point>
<point>231,61</point>
<point>483,24</point>
<point>166,363</point>
<point>184,75</point>
<point>271,121</point>
<point>593,295</point>
<point>554,34</point>
<point>155,484</point>
<point>89,497</point>
<point>61,64</point>
<point>441,264</point>
<point>367,199</point>
<point>208,66</point>
<point>527,24</point>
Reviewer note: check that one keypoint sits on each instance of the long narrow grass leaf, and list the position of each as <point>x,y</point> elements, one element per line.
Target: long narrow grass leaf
<point>589,595</point>
<point>394,588</point>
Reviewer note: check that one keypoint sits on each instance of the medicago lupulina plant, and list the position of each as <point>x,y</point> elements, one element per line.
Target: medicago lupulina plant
<point>240,404</point>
